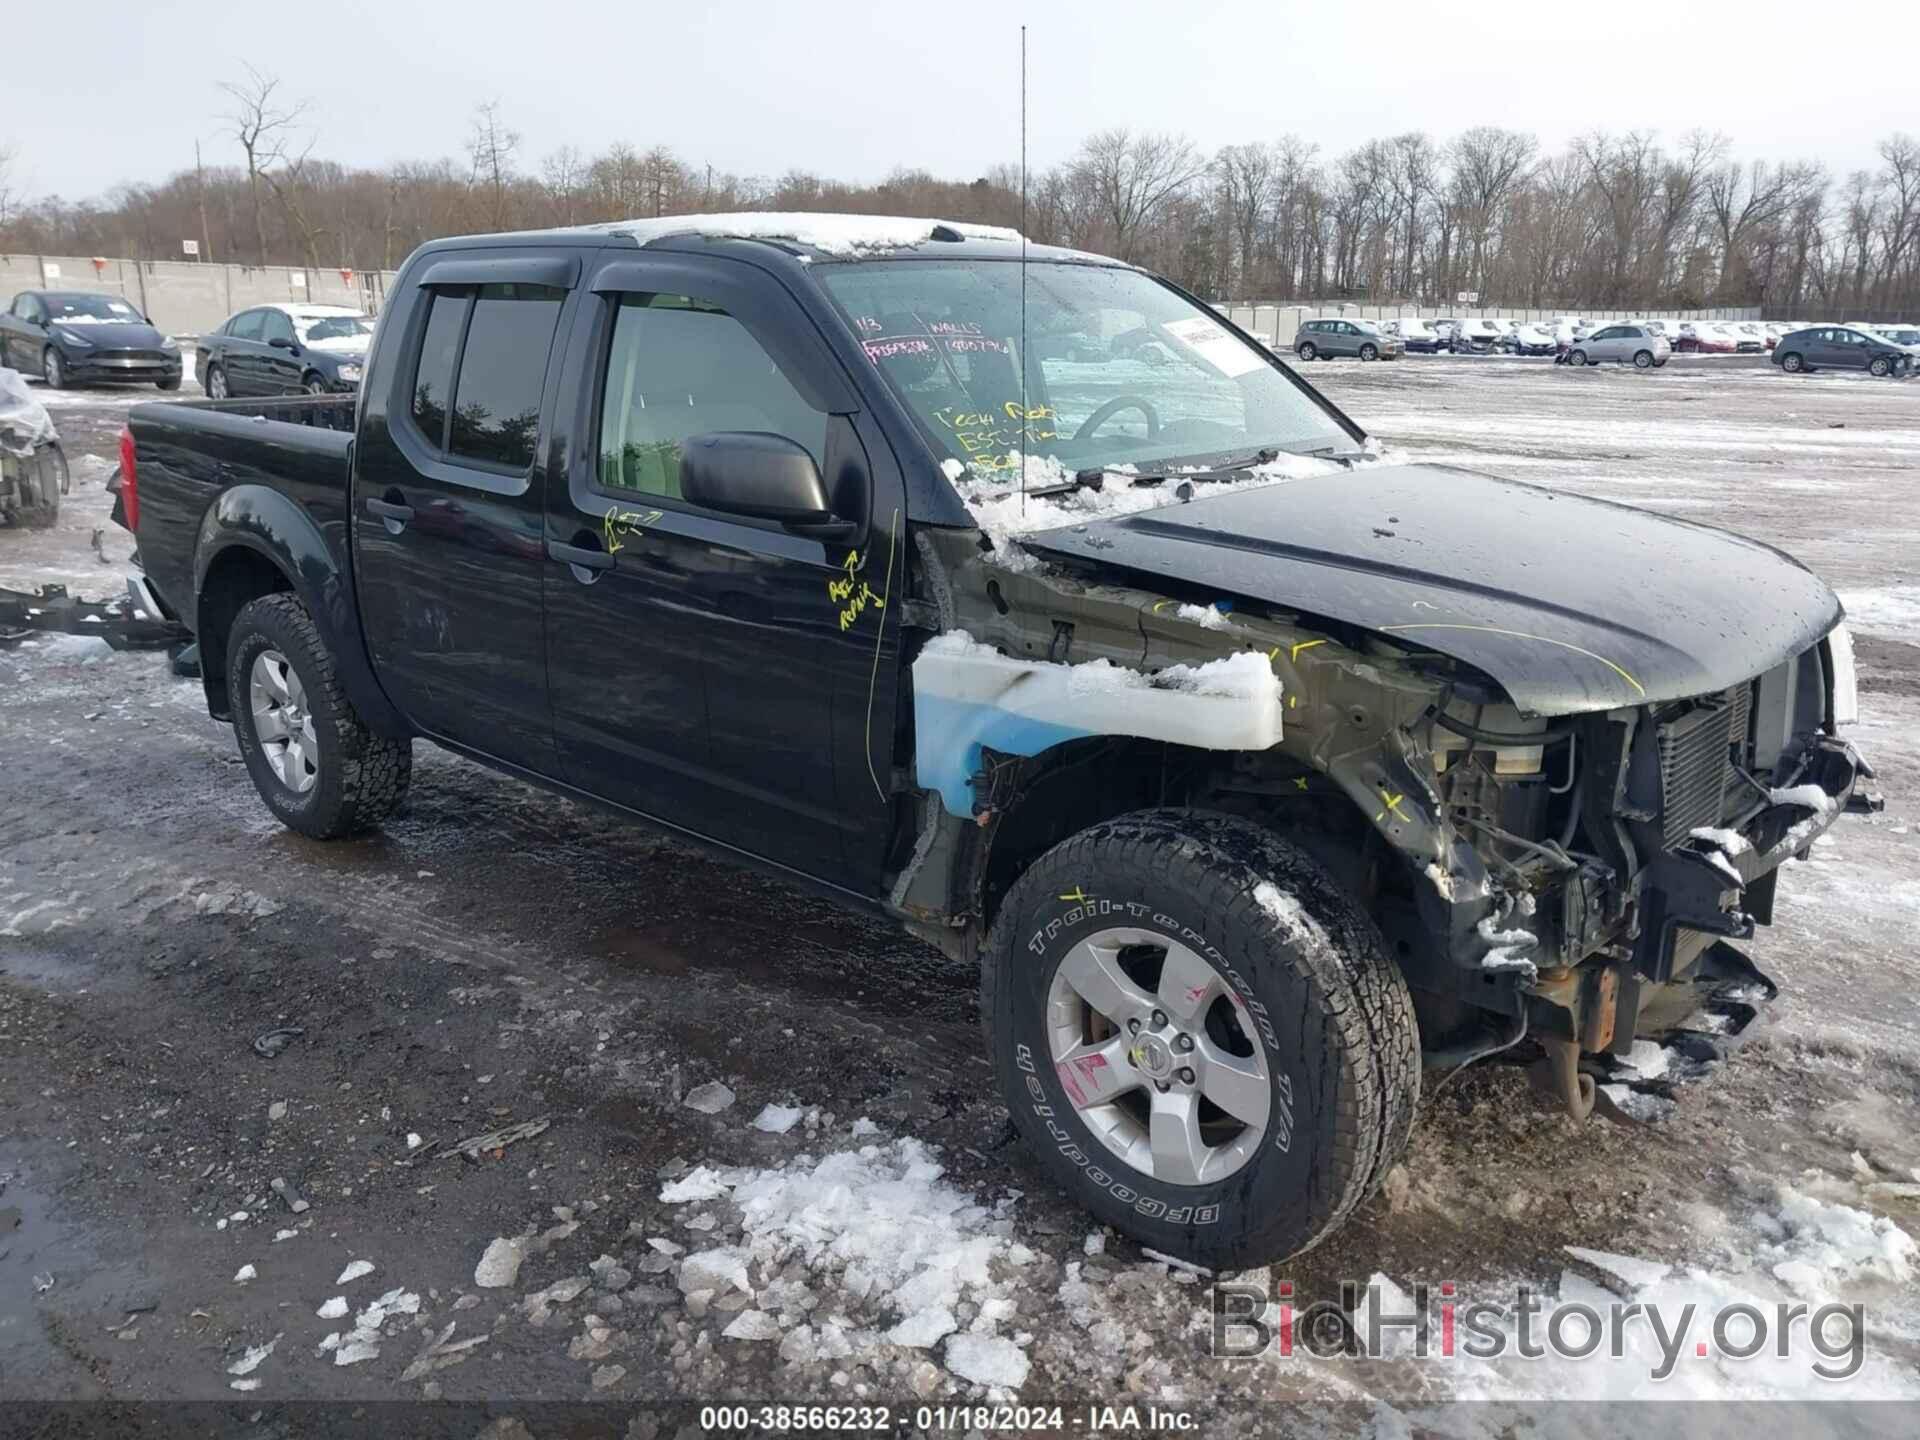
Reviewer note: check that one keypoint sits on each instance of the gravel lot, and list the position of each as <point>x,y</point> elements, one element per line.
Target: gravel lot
<point>499,957</point>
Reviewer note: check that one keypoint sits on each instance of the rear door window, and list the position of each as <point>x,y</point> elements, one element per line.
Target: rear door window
<point>480,371</point>
<point>503,366</point>
<point>433,374</point>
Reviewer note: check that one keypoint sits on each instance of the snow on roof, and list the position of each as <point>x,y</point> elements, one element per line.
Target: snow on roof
<point>315,311</point>
<point>831,234</point>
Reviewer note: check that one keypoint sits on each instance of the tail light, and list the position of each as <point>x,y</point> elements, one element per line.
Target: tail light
<point>129,482</point>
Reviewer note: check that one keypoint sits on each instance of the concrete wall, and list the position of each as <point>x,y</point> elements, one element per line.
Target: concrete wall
<point>1275,324</point>
<point>186,298</point>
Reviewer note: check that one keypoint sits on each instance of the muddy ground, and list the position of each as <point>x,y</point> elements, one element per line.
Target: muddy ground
<point>498,956</point>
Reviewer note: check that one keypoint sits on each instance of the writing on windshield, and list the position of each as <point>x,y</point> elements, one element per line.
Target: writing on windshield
<point>1115,368</point>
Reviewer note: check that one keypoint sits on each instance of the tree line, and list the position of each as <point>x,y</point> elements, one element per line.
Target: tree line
<point>1616,219</point>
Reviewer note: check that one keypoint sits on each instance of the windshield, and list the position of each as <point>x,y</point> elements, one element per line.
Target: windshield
<point>315,329</point>
<point>1124,370</point>
<point>91,310</point>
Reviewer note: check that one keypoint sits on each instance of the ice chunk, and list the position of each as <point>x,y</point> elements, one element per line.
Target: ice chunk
<point>715,1270</point>
<point>1635,1272</point>
<point>334,1309</point>
<point>924,1329</point>
<point>753,1325</point>
<point>698,1184</point>
<point>710,1098</point>
<point>987,1360</point>
<point>499,1264</point>
<point>355,1269</point>
<point>778,1119</point>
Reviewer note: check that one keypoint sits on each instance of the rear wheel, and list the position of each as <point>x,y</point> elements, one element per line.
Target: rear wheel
<point>1643,359</point>
<point>311,756</point>
<point>1200,1034</point>
<point>1307,350</point>
<point>1792,363</point>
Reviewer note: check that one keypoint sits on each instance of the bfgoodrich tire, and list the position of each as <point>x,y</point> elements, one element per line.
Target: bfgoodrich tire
<point>1261,992</point>
<point>319,768</point>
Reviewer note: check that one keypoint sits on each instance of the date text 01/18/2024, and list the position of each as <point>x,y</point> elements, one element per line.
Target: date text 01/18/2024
<point>883,1419</point>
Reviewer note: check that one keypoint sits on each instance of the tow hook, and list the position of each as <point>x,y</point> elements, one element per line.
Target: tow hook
<point>1559,1075</point>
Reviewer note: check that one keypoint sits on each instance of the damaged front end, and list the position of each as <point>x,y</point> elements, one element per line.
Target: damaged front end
<point>1576,880</point>
<point>1648,839</point>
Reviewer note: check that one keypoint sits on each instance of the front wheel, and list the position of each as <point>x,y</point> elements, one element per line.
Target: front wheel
<point>1369,352</point>
<point>311,756</point>
<point>172,382</point>
<point>1578,357</point>
<point>1880,366</point>
<point>217,383</point>
<point>314,385</point>
<point>53,369</point>
<point>1643,359</point>
<point>1200,1034</point>
<point>1307,351</point>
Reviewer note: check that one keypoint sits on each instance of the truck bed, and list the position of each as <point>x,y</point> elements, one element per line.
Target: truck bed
<point>192,454</point>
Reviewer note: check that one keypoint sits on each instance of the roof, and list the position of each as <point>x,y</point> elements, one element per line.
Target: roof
<point>808,235</point>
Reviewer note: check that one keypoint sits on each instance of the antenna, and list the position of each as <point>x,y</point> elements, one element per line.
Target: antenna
<point>1025,426</point>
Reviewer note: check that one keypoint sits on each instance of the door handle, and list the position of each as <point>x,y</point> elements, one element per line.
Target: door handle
<point>585,564</point>
<point>392,514</point>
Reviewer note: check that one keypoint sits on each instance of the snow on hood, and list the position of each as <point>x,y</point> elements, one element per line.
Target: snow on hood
<point>833,234</point>
<point>342,344</point>
<point>128,319</point>
<point>995,501</point>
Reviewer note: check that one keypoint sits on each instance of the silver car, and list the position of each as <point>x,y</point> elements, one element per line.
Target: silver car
<point>1629,344</point>
<point>1324,339</point>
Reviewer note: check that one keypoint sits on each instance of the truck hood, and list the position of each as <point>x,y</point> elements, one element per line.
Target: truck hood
<point>1570,604</point>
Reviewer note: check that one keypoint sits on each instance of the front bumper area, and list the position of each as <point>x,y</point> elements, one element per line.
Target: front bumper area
<point>141,368</point>
<point>1722,884</point>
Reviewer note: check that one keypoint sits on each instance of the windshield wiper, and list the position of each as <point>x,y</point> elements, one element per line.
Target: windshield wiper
<point>1096,478</point>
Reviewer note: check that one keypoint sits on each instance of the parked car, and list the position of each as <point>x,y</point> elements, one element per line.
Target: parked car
<point>71,337</point>
<point>1668,330</point>
<point>1416,335</point>
<point>284,350</point>
<point>1748,338</point>
<point>1702,337</point>
<point>1361,339</point>
<point>1532,340</point>
<point>1633,345</point>
<point>1472,337</point>
<point>1212,945</point>
<point>1907,337</point>
<point>1841,347</point>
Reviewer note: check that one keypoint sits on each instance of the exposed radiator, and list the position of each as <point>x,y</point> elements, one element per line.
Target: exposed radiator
<point>1696,762</point>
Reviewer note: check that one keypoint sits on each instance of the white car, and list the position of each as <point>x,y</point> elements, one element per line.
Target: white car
<point>1415,333</point>
<point>1625,342</point>
<point>1471,336</point>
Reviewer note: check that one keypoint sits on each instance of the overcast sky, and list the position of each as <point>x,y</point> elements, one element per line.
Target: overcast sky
<point>852,90</point>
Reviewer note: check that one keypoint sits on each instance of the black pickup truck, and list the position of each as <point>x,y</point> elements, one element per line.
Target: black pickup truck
<point>1010,592</point>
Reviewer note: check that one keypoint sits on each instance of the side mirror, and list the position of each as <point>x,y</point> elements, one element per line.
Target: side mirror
<point>280,342</point>
<point>767,477</point>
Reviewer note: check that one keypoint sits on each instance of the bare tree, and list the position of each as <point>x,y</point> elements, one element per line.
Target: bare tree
<point>9,197</point>
<point>1488,163</point>
<point>1414,173</point>
<point>491,147</point>
<point>560,176</point>
<point>1131,177</point>
<point>263,123</point>
<point>1246,174</point>
<point>1745,199</point>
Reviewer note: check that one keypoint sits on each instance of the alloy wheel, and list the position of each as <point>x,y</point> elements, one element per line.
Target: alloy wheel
<point>1149,1042</point>
<point>282,722</point>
